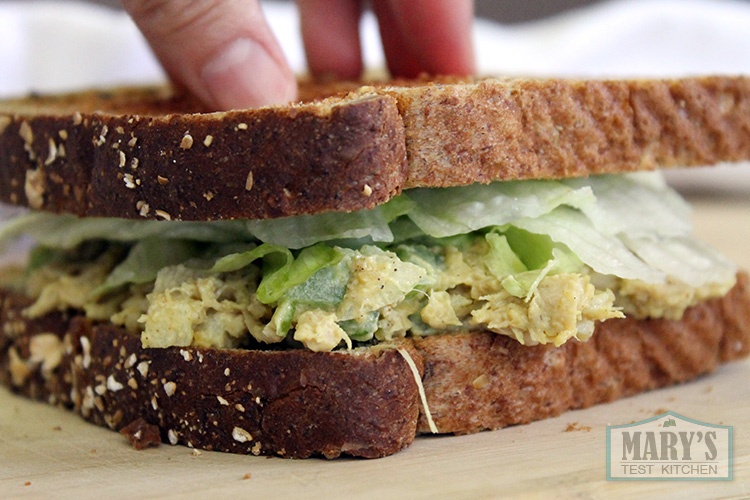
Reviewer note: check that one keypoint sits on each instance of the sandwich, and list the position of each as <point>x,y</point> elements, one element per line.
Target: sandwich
<point>376,261</point>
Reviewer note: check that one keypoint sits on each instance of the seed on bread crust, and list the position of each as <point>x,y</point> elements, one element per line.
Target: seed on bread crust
<point>52,155</point>
<point>187,141</point>
<point>241,435</point>
<point>34,188</point>
<point>143,208</point>
<point>170,388</point>
<point>129,183</point>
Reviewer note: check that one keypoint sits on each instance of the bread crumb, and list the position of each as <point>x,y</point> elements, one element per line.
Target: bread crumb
<point>208,140</point>
<point>27,483</point>
<point>367,190</point>
<point>575,426</point>
<point>141,434</point>
<point>239,407</point>
<point>134,163</point>
<point>142,368</point>
<point>242,126</point>
<point>255,450</point>
<point>247,476</point>
<point>172,436</point>
<point>222,401</point>
<point>196,453</point>
<point>77,118</point>
<point>187,141</point>
<point>249,181</point>
<point>186,355</point>
<point>162,180</point>
<point>132,383</point>
<point>208,195</point>
<point>132,141</point>
<point>226,372</point>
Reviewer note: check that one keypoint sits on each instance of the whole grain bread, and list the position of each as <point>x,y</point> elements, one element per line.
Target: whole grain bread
<point>365,402</point>
<point>353,145</point>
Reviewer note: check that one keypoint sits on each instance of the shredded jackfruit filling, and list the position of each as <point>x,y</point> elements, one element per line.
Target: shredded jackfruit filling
<point>365,295</point>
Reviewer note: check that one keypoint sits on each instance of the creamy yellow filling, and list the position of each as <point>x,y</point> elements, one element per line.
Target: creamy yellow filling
<point>188,307</point>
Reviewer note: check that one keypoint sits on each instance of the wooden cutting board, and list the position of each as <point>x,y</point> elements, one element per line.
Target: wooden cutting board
<point>46,452</point>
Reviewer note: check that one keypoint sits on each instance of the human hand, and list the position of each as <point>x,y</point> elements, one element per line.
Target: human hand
<point>225,53</point>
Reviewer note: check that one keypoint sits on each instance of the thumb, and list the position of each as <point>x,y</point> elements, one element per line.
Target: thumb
<point>223,51</point>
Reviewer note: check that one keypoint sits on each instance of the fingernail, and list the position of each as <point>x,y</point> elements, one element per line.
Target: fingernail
<point>244,75</point>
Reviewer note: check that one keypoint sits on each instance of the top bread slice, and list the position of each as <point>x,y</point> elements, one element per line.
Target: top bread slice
<point>146,153</point>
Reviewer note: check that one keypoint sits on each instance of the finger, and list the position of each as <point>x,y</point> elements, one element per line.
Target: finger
<point>330,34</point>
<point>433,36</point>
<point>221,50</point>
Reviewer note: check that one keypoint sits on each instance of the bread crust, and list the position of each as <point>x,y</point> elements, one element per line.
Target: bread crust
<point>269,162</point>
<point>356,149</point>
<point>365,403</point>
<point>551,128</point>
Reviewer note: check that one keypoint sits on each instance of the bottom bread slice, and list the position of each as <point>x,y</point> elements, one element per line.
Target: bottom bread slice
<point>365,402</point>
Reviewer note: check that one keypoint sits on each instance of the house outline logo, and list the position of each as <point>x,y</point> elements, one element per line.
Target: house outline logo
<point>669,447</point>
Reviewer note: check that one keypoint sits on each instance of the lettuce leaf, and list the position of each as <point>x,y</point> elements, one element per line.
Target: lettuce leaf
<point>68,231</point>
<point>145,260</point>
<point>605,254</point>
<point>616,224</point>
<point>448,212</point>
<point>635,204</point>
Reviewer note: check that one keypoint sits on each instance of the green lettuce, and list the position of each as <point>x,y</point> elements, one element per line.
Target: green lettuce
<point>144,261</point>
<point>632,226</point>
